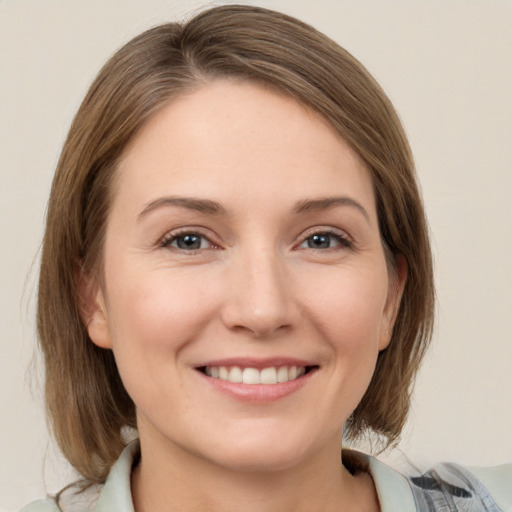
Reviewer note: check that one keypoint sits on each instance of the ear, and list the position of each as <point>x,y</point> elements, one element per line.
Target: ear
<point>93,309</point>
<point>398,278</point>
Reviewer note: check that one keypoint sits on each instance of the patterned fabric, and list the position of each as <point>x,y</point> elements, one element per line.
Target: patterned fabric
<point>451,488</point>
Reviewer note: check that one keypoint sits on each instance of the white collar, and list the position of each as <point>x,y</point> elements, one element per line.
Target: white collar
<point>392,487</point>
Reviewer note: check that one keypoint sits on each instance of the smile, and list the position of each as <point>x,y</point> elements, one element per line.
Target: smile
<point>269,375</point>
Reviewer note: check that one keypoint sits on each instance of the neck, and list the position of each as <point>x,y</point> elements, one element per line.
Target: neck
<point>180,481</point>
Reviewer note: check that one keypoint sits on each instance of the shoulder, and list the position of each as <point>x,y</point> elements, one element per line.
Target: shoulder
<point>498,481</point>
<point>114,495</point>
<point>47,505</point>
<point>462,489</point>
<point>446,486</point>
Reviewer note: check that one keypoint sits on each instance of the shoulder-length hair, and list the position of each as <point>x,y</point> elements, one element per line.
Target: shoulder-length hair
<point>86,401</point>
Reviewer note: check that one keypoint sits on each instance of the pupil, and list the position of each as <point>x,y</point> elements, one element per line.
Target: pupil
<point>189,242</point>
<point>319,241</point>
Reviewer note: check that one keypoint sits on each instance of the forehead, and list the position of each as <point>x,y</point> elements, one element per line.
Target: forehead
<point>231,133</point>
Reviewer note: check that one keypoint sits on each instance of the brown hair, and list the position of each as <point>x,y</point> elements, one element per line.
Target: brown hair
<point>86,402</point>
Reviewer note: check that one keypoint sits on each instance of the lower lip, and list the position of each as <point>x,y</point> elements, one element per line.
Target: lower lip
<point>258,393</point>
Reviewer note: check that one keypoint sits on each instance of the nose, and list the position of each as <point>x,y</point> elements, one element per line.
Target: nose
<point>260,299</point>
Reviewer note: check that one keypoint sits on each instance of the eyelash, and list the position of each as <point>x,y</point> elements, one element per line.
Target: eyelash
<point>170,238</point>
<point>342,240</point>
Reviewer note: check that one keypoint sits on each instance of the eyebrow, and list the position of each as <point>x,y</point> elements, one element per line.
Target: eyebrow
<point>191,203</point>
<point>213,208</point>
<point>325,203</point>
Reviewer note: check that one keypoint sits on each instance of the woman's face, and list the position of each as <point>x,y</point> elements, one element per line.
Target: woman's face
<point>243,245</point>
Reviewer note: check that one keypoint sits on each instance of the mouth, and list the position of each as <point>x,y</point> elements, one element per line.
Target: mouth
<point>251,376</point>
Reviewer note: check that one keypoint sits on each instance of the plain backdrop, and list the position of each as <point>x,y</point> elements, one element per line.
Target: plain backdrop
<point>446,64</point>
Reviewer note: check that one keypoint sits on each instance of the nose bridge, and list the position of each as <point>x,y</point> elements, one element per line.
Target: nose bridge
<point>260,299</point>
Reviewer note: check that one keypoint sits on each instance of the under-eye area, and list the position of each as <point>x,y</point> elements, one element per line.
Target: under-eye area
<point>269,375</point>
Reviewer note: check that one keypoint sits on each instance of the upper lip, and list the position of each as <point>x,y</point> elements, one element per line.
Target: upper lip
<point>258,363</point>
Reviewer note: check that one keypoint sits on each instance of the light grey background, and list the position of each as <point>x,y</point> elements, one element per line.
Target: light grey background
<point>446,64</point>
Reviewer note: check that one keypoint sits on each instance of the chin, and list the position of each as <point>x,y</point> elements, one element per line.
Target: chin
<point>258,455</point>
<point>260,461</point>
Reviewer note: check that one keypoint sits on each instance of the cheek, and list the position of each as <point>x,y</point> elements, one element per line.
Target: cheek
<point>157,309</point>
<point>153,317</point>
<point>348,306</point>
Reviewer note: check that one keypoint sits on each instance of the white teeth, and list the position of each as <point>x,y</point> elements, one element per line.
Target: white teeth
<point>251,376</point>
<point>270,375</point>
<point>235,374</point>
<point>282,374</point>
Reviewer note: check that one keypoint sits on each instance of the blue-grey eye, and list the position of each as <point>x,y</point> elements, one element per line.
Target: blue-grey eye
<point>324,241</point>
<point>319,241</point>
<point>189,242</point>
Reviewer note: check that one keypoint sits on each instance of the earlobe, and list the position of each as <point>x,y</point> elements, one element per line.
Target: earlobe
<point>93,310</point>
<point>97,327</point>
<point>395,292</point>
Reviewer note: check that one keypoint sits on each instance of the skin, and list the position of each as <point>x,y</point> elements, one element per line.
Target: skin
<point>257,286</point>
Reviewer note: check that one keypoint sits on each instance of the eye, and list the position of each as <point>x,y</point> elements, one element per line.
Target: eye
<point>187,241</point>
<point>325,240</point>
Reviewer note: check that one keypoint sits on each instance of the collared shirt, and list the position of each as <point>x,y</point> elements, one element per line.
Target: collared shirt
<point>445,488</point>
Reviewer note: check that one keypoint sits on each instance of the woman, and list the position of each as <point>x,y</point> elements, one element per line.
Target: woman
<point>238,259</point>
